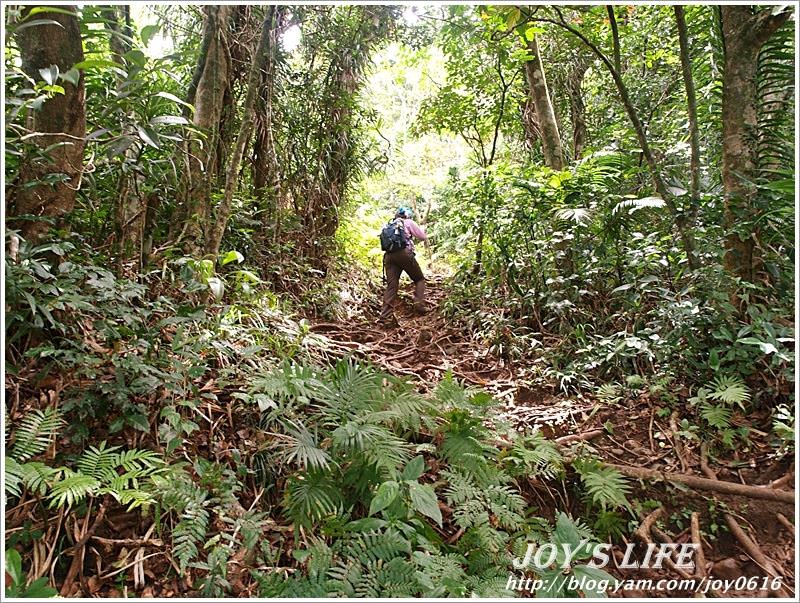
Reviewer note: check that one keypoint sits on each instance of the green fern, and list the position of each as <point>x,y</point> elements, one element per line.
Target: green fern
<point>716,415</point>
<point>535,456</point>
<point>604,486</point>
<point>610,393</point>
<point>72,488</point>
<point>729,389</point>
<point>35,433</point>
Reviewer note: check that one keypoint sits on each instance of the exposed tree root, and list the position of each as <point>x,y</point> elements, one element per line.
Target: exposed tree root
<point>712,485</point>
<point>700,558</point>
<point>749,545</point>
<point>643,534</point>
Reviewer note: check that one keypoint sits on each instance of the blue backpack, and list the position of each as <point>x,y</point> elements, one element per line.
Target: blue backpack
<point>393,236</point>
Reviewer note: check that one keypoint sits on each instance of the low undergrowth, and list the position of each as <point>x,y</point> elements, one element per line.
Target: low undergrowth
<point>305,476</point>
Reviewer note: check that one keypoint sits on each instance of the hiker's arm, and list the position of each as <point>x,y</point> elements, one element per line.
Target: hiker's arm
<point>416,230</point>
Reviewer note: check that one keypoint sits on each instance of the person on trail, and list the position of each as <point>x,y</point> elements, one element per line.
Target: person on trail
<point>397,240</point>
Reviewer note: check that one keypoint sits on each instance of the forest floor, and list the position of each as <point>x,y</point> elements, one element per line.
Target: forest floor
<point>630,433</point>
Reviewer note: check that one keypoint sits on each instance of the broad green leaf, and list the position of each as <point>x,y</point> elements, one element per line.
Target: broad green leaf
<point>367,524</point>
<point>175,99</point>
<point>14,566</point>
<point>424,501</point>
<point>386,494</point>
<point>37,10</point>
<point>593,575</point>
<point>149,137</point>
<point>414,469</point>
<point>565,532</point>
<point>148,31</point>
<point>553,585</point>
<point>231,256</point>
<point>72,76</point>
<point>91,64</point>
<point>137,57</point>
<point>36,22</point>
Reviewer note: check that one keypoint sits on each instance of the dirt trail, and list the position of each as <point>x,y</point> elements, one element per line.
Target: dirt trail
<point>426,347</point>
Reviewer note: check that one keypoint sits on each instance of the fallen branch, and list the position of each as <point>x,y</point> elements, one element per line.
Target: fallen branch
<point>701,483</point>
<point>78,549</point>
<point>781,481</point>
<point>751,547</point>
<point>676,438</point>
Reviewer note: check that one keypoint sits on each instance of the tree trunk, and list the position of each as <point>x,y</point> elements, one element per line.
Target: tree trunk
<point>60,124</point>
<point>744,33</point>
<point>222,213</point>
<point>530,124</point>
<point>577,108</point>
<point>548,126</point>
<point>335,158</point>
<point>691,108</point>
<point>266,169</point>
<point>212,85</point>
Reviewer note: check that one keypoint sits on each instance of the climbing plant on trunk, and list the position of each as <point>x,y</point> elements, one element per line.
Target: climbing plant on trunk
<point>207,96</point>
<point>222,212</point>
<point>744,31</point>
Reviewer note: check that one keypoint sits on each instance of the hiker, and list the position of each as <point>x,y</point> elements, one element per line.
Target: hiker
<point>397,241</point>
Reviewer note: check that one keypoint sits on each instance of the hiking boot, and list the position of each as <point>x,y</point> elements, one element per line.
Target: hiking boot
<point>387,321</point>
<point>420,309</point>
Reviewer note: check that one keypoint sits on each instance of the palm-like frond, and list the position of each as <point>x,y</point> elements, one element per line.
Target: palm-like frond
<point>633,205</point>
<point>310,497</point>
<point>716,415</point>
<point>729,389</point>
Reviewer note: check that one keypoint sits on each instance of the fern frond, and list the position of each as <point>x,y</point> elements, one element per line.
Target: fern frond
<point>35,433</point>
<point>14,474</point>
<point>637,204</point>
<point>99,463</point>
<point>72,488</point>
<point>535,456</point>
<point>729,389</point>
<point>606,487</point>
<point>716,415</point>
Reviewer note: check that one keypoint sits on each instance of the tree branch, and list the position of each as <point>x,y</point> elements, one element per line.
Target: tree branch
<point>615,35</point>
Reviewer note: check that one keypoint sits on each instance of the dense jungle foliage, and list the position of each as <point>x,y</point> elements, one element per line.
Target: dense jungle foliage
<point>194,192</point>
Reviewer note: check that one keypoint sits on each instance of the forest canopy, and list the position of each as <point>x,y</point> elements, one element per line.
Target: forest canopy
<point>203,396</point>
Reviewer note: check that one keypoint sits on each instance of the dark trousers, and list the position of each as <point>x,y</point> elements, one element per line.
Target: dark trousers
<point>394,264</point>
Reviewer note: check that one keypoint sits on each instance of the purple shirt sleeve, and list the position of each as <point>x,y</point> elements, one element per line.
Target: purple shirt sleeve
<point>415,230</point>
